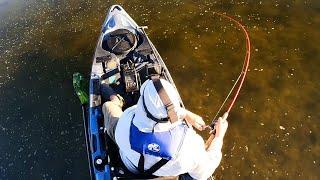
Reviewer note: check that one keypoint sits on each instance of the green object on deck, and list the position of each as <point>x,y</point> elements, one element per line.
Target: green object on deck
<point>80,88</point>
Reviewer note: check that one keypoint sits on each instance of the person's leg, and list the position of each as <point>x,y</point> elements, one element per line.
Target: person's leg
<point>112,111</point>
<point>106,92</point>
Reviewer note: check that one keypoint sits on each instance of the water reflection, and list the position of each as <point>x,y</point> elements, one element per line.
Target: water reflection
<point>273,127</point>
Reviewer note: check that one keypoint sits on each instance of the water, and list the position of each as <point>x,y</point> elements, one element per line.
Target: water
<point>272,128</point>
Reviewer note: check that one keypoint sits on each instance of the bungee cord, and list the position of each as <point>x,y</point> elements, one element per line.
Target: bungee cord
<point>242,74</point>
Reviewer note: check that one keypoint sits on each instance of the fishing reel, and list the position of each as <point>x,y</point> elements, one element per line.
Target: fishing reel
<point>211,128</point>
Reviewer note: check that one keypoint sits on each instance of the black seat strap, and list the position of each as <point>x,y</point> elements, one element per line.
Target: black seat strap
<point>141,164</point>
<point>153,168</point>
<point>110,73</point>
<point>156,166</point>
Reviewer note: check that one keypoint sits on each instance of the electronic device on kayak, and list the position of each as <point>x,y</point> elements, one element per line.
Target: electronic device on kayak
<point>131,78</point>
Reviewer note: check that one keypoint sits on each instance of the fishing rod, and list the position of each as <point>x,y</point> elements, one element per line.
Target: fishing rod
<point>241,76</point>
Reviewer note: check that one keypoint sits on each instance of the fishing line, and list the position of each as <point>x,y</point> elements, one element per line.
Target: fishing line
<point>244,69</point>
<point>230,92</point>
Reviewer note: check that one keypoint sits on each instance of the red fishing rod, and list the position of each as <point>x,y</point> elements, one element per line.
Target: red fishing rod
<point>239,82</point>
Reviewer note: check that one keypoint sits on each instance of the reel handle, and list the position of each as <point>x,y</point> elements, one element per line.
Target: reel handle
<point>212,127</point>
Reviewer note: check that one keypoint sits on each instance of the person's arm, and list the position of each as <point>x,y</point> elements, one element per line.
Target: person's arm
<point>221,128</point>
<point>194,119</point>
<point>210,158</point>
<point>206,163</point>
<point>197,122</point>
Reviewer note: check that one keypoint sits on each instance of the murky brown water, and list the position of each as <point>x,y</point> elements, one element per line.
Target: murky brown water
<point>273,132</point>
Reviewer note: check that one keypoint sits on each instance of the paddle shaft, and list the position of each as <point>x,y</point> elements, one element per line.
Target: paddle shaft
<point>84,108</point>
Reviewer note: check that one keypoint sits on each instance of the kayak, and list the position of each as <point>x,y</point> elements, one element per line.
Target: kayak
<point>124,58</point>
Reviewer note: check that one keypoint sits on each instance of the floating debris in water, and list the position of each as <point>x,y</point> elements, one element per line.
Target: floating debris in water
<point>282,128</point>
<point>287,134</point>
<point>20,149</point>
